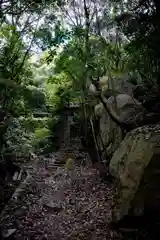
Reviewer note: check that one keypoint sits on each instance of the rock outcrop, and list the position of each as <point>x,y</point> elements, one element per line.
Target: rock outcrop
<point>136,166</point>
<point>126,107</point>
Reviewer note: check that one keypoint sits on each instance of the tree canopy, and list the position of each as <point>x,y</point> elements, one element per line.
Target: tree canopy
<point>52,50</point>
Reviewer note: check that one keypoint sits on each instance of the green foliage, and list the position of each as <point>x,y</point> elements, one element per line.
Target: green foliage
<point>18,140</point>
<point>76,48</point>
<point>42,140</point>
<point>41,133</point>
<point>31,123</point>
<point>71,60</point>
<point>35,97</point>
<point>141,26</point>
<point>27,102</point>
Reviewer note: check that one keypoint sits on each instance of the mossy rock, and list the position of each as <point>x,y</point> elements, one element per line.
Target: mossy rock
<point>69,165</point>
<point>136,166</point>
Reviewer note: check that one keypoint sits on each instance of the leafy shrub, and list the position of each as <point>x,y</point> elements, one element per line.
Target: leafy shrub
<point>18,139</point>
<point>31,123</point>
<point>41,133</point>
<point>42,140</point>
<point>25,135</point>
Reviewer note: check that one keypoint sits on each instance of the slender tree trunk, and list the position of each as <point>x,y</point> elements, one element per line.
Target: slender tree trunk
<point>95,140</point>
<point>113,114</point>
<point>87,26</point>
<point>86,55</point>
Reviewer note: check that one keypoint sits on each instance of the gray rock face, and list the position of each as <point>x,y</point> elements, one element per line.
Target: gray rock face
<point>8,232</point>
<point>136,166</point>
<point>126,107</point>
<point>51,208</point>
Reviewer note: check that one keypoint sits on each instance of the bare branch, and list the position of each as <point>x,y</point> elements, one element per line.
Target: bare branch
<point>28,50</point>
<point>67,15</point>
<point>75,13</point>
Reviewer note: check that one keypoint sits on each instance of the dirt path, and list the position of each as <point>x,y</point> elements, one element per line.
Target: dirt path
<point>59,204</point>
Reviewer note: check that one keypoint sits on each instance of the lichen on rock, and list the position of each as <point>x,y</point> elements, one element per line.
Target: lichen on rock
<point>135,164</point>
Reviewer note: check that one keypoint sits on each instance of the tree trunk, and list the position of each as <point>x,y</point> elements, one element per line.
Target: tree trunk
<point>114,116</point>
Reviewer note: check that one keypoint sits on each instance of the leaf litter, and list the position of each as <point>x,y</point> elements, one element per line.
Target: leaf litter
<point>60,204</point>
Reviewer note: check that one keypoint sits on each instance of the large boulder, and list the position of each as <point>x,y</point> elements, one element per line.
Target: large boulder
<point>121,84</point>
<point>136,166</point>
<point>111,134</point>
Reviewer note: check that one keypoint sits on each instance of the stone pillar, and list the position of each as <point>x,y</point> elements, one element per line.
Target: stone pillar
<point>69,119</point>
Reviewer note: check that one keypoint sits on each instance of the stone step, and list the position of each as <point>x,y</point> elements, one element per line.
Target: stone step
<point>59,164</point>
<point>56,164</point>
<point>53,167</point>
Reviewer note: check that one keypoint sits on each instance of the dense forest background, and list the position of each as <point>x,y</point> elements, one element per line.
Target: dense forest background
<point>79,119</point>
<point>50,53</point>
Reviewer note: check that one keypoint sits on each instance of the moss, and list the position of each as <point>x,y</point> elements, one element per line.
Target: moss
<point>69,164</point>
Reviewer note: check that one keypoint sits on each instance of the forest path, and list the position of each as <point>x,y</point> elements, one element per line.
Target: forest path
<point>60,204</point>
